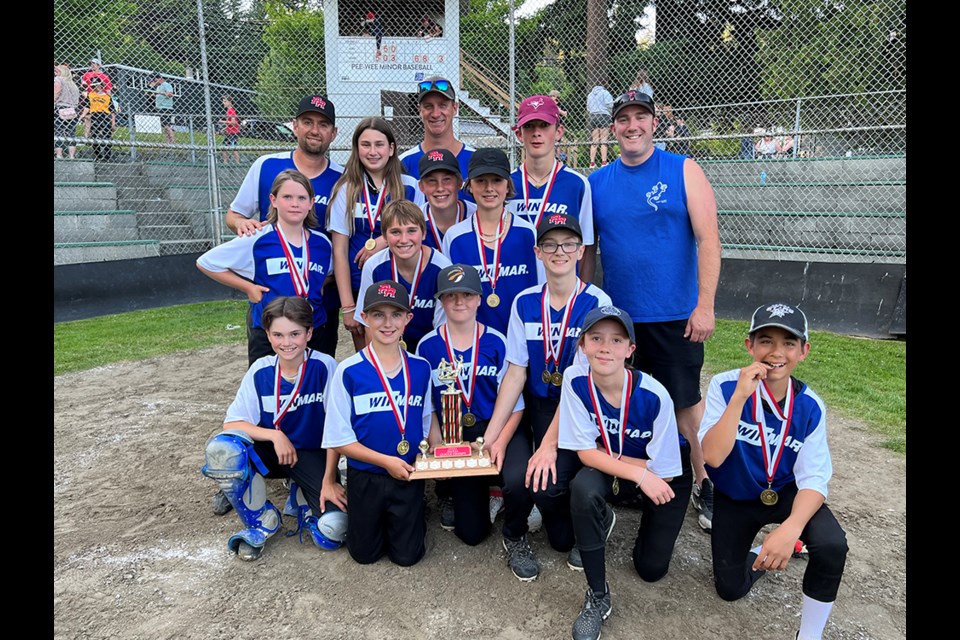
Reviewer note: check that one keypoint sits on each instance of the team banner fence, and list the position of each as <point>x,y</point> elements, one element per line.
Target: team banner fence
<point>796,109</point>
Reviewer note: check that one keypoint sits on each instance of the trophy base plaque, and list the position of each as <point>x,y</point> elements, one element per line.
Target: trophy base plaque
<point>453,461</point>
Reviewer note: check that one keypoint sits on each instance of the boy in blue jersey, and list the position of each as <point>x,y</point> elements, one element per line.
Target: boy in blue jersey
<point>541,343</point>
<point>543,184</point>
<point>440,180</point>
<point>274,429</point>
<point>380,409</point>
<point>765,446</point>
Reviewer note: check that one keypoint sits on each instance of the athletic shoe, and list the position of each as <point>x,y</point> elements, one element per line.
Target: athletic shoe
<point>534,520</point>
<point>247,552</point>
<point>702,498</point>
<point>574,561</point>
<point>594,611</point>
<point>521,559</point>
<point>496,504</point>
<point>447,519</point>
<point>593,165</point>
<point>221,505</point>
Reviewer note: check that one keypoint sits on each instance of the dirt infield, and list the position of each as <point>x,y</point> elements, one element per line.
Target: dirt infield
<point>139,554</point>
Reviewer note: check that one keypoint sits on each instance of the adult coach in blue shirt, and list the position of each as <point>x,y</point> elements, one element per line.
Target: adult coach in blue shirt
<point>315,129</point>
<point>659,242</point>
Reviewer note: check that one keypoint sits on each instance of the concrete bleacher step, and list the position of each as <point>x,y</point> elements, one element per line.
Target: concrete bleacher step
<point>86,226</point>
<point>164,232</point>
<point>178,247</point>
<point>823,197</point>
<point>85,196</point>
<point>76,252</point>
<point>66,170</point>
<point>887,169</point>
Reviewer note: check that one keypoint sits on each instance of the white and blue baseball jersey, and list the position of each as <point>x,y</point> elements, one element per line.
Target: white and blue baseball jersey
<point>525,345</point>
<point>359,411</point>
<point>434,237</point>
<point>489,363</point>
<point>261,259</point>
<point>427,312</point>
<point>410,159</point>
<point>569,195</point>
<point>805,458</point>
<point>256,400</point>
<point>253,198</point>
<point>361,223</point>
<point>651,430</point>
<point>519,267</point>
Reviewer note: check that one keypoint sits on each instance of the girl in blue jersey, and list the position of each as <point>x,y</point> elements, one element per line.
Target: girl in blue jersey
<point>372,177</point>
<point>620,423</point>
<point>283,258</point>
<point>496,243</point>
<point>765,446</point>
<point>410,263</point>
<point>541,345</point>
<point>440,182</point>
<point>483,351</point>
<point>380,410</point>
<point>274,429</point>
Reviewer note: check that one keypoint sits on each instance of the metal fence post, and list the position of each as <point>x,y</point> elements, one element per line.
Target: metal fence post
<point>213,178</point>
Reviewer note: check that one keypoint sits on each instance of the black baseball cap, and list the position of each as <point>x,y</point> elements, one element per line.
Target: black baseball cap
<point>458,277</point>
<point>386,292</point>
<point>779,314</point>
<point>634,97</point>
<point>435,84</point>
<point>558,221</point>
<point>437,159</point>
<point>488,160</point>
<point>612,313</point>
<point>319,104</point>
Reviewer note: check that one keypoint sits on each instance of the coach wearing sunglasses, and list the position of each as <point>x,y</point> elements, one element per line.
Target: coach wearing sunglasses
<point>438,107</point>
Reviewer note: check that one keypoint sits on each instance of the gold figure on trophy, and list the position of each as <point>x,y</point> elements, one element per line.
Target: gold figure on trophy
<point>454,457</point>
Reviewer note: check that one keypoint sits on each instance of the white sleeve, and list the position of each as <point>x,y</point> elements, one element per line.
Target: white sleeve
<point>246,405</point>
<point>338,431</point>
<point>575,423</point>
<point>366,279</point>
<point>442,261</point>
<point>337,212</point>
<point>714,407</point>
<point>247,200</point>
<point>663,450</point>
<point>517,337</point>
<point>814,468</point>
<point>235,255</point>
<point>586,214</point>
<point>445,243</point>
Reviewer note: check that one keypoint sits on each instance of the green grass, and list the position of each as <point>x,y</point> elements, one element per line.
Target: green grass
<point>856,377</point>
<point>84,344</point>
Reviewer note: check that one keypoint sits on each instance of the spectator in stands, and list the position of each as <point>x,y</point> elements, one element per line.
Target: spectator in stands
<point>784,144</point>
<point>766,146</point>
<point>103,119</point>
<point>665,126</point>
<point>66,99</point>
<point>642,83</point>
<point>678,129</point>
<point>163,92</point>
<point>231,129</point>
<point>95,72</point>
<point>599,107</point>
<point>373,24</point>
<point>429,29</point>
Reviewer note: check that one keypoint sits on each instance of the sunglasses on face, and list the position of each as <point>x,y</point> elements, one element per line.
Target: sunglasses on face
<point>439,85</point>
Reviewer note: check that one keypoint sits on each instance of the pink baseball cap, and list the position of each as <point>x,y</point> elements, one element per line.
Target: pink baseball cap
<point>538,108</point>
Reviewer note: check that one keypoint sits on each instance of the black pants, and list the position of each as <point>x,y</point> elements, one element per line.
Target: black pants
<point>590,493</point>
<point>554,502</point>
<point>735,525</point>
<point>326,335</point>
<point>308,472</point>
<point>471,504</point>
<point>386,516</point>
<point>258,344</point>
<point>101,127</point>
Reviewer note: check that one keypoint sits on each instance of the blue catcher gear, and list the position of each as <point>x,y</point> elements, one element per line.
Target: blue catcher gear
<point>329,531</point>
<point>235,465</point>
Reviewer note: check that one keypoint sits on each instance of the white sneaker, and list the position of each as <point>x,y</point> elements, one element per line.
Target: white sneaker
<point>496,505</point>
<point>534,520</point>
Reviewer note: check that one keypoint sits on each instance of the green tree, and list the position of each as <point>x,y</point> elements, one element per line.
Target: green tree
<point>294,61</point>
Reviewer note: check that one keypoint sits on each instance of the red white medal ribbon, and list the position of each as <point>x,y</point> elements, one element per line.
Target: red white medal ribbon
<point>770,463</point>
<point>401,421</point>
<point>496,251</point>
<point>475,356</point>
<point>546,192</point>
<point>299,276</point>
<point>416,275</point>
<point>432,225</point>
<point>551,350</point>
<point>282,408</point>
<point>372,216</point>
<point>624,410</point>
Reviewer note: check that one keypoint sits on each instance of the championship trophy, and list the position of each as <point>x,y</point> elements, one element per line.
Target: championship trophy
<point>454,457</point>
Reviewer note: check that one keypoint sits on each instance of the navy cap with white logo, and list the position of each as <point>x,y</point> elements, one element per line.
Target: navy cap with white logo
<point>386,292</point>
<point>609,312</point>
<point>558,221</point>
<point>458,277</point>
<point>437,159</point>
<point>782,315</point>
<point>320,104</point>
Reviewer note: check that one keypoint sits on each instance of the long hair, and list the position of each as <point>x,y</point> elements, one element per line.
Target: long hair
<point>353,172</point>
<point>65,75</point>
<point>273,215</point>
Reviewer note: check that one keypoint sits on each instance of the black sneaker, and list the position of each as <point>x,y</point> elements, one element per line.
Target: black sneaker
<point>221,505</point>
<point>574,561</point>
<point>702,498</point>
<point>521,559</point>
<point>595,610</point>
<point>446,513</point>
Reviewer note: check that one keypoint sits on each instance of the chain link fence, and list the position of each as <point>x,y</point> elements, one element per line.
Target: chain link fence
<point>796,109</point>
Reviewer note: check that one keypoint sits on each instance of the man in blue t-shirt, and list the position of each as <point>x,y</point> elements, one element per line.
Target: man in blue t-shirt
<point>163,103</point>
<point>656,218</point>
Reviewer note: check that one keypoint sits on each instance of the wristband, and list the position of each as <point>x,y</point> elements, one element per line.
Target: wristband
<point>642,476</point>
<point>348,308</point>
